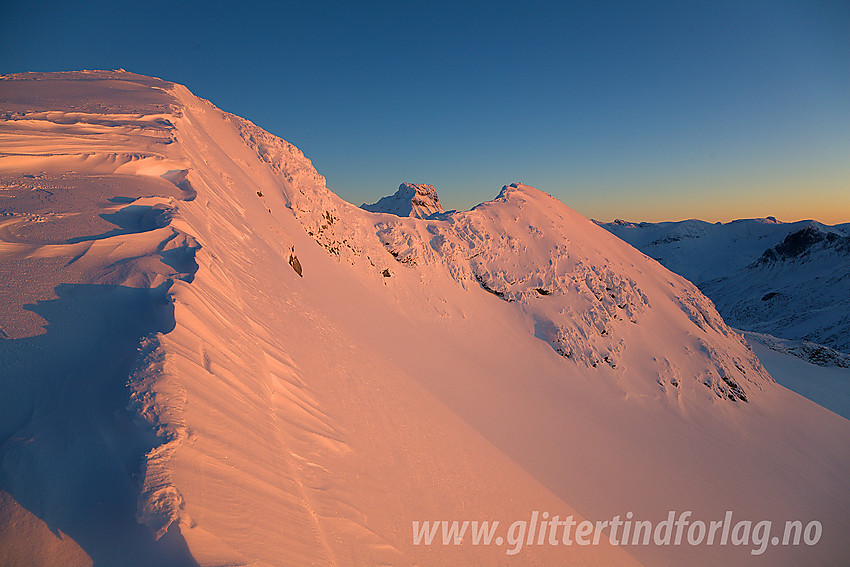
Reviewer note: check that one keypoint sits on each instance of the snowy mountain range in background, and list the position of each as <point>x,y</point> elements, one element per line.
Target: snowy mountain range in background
<point>787,284</point>
<point>210,358</point>
<point>791,280</point>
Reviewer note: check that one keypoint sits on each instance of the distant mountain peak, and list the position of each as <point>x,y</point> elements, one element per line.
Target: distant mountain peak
<point>411,200</point>
<point>234,323</point>
<point>802,241</point>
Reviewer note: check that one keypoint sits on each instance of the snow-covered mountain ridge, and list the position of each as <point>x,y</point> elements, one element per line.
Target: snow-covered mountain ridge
<point>786,279</point>
<point>500,259</point>
<point>232,358</point>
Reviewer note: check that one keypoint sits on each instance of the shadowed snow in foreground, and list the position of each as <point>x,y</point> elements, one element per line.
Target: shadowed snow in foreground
<point>212,359</point>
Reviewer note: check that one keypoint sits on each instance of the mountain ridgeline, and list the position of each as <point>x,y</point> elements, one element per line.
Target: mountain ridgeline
<point>210,358</point>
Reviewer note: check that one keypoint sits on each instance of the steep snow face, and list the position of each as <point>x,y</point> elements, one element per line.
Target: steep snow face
<point>588,297</point>
<point>785,279</point>
<point>90,252</point>
<point>301,379</point>
<point>411,200</point>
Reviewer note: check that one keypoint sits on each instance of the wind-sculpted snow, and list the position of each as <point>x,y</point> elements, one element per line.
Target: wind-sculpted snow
<point>583,299</point>
<point>89,264</point>
<point>244,369</point>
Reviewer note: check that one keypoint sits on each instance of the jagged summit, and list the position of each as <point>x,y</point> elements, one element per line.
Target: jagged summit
<point>516,188</point>
<point>411,200</point>
<point>219,348</point>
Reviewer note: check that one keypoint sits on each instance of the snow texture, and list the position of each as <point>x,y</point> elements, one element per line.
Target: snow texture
<point>411,200</point>
<point>208,358</point>
<point>791,280</point>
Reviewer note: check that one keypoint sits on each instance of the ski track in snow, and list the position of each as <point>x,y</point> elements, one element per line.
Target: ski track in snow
<point>172,371</point>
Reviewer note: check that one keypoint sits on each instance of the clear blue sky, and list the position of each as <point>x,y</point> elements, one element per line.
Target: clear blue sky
<point>638,110</point>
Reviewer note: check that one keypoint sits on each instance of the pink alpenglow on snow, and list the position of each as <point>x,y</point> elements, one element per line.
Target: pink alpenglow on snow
<point>411,200</point>
<point>209,358</point>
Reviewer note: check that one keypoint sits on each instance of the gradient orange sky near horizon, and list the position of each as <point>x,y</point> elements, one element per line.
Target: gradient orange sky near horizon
<point>788,201</point>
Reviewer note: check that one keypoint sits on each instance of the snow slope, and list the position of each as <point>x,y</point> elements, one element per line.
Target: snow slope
<point>210,358</point>
<point>814,371</point>
<point>798,289</point>
<point>774,279</point>
<point>791,280</point>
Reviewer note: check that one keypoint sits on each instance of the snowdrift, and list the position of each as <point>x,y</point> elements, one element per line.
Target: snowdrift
<point>209,358</point>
